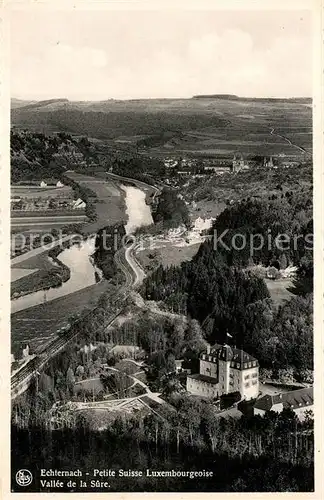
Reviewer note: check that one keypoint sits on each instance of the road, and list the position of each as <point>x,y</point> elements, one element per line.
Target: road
<point>135,266</point>
<point>272,132</point>
<point>140,184</point>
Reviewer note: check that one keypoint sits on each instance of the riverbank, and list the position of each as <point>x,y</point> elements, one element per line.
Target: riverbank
<point>79,271</point>
<point>149,190</point>
<point>137,210</point>
<point>42,279</point>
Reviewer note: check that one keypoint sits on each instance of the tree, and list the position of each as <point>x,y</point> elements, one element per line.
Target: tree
<point>283,261</point>
<point>79,372</point>
<point>303,283</point>
<point>70,379</point>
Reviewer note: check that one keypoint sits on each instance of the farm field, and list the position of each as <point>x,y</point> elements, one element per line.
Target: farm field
<point>244,137</point>
<point>110,206</point>
<point>43,214</point>
<point>101,187</point>
<point>36,212</point>
<point>38,324</point>
<point>41,224</point>
<point>40,192</point>
<point>18,273</point>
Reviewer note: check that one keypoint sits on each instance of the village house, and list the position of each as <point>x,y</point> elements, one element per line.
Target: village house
<point>224,369</point>
<point>51,183</point>
<point>300,401</point>
<point>21,354</point>
<point>218,169</point>
<point>78,204</point>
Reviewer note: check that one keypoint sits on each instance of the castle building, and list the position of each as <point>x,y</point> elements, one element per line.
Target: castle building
<point>238,164</point>
<point>224,369</point>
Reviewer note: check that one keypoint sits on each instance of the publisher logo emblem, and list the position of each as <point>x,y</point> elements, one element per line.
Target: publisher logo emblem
<point>24,477</point>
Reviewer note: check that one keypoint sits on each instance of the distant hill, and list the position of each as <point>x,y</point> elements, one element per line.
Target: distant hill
<point>216,96</point>
<point>233,97</point>
<point>224,117</point>
<point>18,103</point>
<point>37,156</point>
<point>41,104</point>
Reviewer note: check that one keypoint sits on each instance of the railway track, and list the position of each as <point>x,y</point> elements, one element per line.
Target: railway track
<point>21,379</point>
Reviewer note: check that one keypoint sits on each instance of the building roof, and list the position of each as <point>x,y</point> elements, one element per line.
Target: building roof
<point>50,180</point>
<point>239,359</point>
<point>293,399</point>
<point>233,412</point>
<point>204,378</point>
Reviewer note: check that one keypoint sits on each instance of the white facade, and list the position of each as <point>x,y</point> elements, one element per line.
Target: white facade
<point>201,224</point>
<point>250,383</point>
<point>226,371</point>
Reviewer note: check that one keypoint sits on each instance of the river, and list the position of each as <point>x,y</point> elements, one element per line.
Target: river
<point>82,273</point>
<point>138,212</point>
<point>78,257</point>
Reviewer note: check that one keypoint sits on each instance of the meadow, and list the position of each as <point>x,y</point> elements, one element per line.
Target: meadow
<point>279,290</point>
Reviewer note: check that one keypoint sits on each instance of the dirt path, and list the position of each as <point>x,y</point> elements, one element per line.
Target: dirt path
<point>272,132</point>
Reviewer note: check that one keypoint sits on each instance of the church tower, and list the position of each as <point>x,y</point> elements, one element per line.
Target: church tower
<point>270,162</point>
<point>235,164</point>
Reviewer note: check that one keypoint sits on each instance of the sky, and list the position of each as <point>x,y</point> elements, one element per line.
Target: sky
<point>93,55</point>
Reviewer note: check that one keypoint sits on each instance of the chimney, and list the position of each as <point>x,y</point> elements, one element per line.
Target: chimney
<point>208,348</point>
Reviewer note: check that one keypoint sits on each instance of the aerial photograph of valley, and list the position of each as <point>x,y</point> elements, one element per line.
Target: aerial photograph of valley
<point>161,210</point>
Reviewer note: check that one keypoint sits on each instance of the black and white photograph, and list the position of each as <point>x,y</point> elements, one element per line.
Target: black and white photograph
<point>161,248</point>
